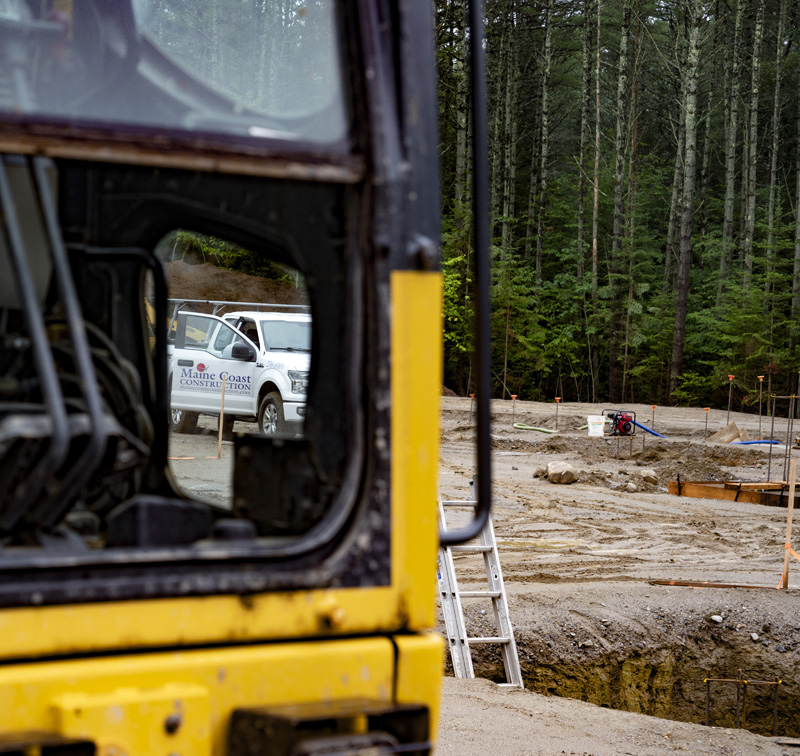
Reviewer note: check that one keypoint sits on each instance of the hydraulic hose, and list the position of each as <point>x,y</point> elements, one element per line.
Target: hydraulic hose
<point>748,443</point>
<point>649,430</point>
<point>522,426</point>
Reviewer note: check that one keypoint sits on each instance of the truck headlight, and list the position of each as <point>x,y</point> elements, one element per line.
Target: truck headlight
<point>299,379</point>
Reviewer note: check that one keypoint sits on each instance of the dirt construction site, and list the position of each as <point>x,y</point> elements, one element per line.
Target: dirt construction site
<point>587,569</point>
<point>614,659</point>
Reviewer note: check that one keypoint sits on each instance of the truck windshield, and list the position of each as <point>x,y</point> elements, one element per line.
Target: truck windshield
<point>281,334</point>
<point>269,69</point>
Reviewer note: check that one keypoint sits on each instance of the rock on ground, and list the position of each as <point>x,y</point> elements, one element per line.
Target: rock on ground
<point>561,472</point>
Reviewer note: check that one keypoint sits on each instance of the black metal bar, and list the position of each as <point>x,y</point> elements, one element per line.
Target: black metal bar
<point>161,399</point>
<point>775,710</point>
<point>480,209</point>
<point>50,386</point>
<point>47,512</point>
<point>771,437</point>
<point>738,698</point>
<point>708,703</point>
<point>744,704</point>
<point>788,442</point>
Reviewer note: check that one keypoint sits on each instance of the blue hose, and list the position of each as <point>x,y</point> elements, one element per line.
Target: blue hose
<point>645,428</point>
<point>747,443</point>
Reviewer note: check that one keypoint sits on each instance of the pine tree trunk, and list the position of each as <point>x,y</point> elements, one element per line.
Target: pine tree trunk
<point>585,89</point>
<point>694,10</point>
<point>732,132</point>
<point>533,192</point>
<point>703,205</point>
<point>509,138</point>
<point>618,227</point>
<point>750,214</point>
<point>545,156</point>
<point>596,187</point>
<point>795,320</point>
<point>594,356</point>
<point>674,204</point>
<point>632,211</point>
<point>461,111</point>
<point>773,166</point>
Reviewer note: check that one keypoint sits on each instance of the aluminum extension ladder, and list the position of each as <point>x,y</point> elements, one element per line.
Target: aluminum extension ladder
<point>450,597</point>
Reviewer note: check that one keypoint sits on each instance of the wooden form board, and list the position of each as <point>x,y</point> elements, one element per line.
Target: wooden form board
<point>768,494</point>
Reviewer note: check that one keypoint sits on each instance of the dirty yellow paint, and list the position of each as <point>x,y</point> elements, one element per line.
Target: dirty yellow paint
<point>420,660</point>
<point>408,603</point>
<point>416,395</point>
<point>123,703</point>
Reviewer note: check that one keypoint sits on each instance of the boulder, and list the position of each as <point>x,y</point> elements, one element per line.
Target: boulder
<point>649,476</point>
<point>726,435</point>
<point>561,472</point>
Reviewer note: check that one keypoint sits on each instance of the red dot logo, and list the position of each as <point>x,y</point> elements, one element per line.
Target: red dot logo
<point>200,367</point>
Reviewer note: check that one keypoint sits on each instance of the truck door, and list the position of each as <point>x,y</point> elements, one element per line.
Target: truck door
<point>203,357</point>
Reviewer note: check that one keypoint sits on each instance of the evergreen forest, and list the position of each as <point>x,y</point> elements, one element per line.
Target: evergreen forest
<point>645,198</point>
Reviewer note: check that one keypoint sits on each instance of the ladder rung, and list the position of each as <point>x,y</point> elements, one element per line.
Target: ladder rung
<point>476,548</point>
<point>501,641</point>
<point>509,685</point>
<point>472,504</point>
<point>480,594</point>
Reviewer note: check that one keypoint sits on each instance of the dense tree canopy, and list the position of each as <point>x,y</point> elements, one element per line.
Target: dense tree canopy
<point>645,198</point>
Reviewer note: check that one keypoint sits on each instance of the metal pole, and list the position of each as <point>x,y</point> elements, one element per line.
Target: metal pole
<point>744,705</point>
<point>730,396</point>
<point>760,389</point>
<point>708,703</point>
<point>558,401</point>
<point>513,406</point>
<point>738,697</point>
<point>705,430</point>
<point>789,512</point>
<point>771,435</point>
<point>775,709</point>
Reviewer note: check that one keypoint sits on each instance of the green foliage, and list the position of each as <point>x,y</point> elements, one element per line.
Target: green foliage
<point>193,247</point>
<point>558,335</point>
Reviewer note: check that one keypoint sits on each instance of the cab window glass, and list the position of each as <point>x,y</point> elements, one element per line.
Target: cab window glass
<point>222,298</point>
<point>268,69</point>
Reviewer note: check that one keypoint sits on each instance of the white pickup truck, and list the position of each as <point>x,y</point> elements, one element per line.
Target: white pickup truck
<point>264,358</point>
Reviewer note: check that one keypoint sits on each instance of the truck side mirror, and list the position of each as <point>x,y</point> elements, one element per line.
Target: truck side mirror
<point>244,352</point>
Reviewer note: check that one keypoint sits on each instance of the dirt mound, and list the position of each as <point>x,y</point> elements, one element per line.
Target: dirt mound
<point>207,281</point>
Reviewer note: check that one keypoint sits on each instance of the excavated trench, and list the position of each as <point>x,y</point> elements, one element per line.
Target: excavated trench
<point>666,680</point>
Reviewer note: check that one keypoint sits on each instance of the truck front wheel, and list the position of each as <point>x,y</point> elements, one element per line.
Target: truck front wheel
<point>182,421</point>
<point>270,415</point>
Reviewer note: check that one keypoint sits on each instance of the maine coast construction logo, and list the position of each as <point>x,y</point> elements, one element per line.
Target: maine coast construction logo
<point>200,380</point>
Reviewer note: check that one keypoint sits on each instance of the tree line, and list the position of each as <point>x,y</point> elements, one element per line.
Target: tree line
<point>645,198</point>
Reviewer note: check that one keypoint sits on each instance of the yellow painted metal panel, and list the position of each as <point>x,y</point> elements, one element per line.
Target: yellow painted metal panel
<point>416,391</point>
<point>407,604</point>
<point>118,701</point>
<point>170,719</point>
<point>81,628</point>
<point>420,664</point>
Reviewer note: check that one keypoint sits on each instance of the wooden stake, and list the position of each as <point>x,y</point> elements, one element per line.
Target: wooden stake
<point>789,512</point>
<point>221,420</point>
